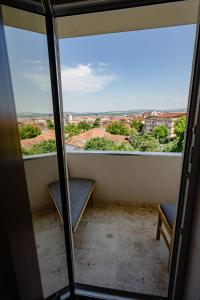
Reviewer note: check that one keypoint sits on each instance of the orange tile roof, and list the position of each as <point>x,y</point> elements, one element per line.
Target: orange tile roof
<point>81,139</point>
<point>47,135</point>
<point>170,115</point>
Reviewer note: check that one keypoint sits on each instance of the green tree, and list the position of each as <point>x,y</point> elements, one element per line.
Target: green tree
<point>138,125</point>
<point>44,147</point>
<point>96,123</point>
<point>161,133</point>
<point>27,131</point>
<point>71,129</point>
<point>179,130</point>
<point>50,124</point>
<point>99,144</point>
<point>117,128</point>
<point>84,126</point>
<point>145,143</point>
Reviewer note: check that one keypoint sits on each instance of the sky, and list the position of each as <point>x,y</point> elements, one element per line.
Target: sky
<point>146,69</point>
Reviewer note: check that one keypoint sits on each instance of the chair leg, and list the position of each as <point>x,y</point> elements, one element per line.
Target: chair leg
<point>158,226</point>
<point>170,255</point>
<point>171,249</point>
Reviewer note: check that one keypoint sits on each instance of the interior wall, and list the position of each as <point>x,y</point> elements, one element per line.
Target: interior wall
<point>122,179</point>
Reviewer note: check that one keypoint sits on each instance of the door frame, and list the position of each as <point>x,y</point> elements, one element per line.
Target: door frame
<point>20,275</point>
<point>189,165</point>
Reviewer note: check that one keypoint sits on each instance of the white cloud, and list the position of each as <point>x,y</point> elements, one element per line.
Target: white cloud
<point>79,79</point>
<point>84,79</point>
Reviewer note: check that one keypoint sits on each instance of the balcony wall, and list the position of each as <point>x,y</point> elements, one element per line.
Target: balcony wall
<point>144,178</point>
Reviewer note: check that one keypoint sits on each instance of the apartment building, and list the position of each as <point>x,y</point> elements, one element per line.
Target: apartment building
<point>167,119</point>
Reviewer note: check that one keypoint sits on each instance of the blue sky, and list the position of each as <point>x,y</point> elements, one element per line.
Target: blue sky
<point>147,69</point>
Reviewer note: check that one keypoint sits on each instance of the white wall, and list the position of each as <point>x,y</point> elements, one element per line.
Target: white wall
<point>40,171</point>
<point>129,178</point>
<point>125,178</point>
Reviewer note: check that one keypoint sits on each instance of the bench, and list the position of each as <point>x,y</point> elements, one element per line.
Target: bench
<point>80,190</point>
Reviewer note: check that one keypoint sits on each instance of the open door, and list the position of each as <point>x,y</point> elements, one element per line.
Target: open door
<point>37,128</point>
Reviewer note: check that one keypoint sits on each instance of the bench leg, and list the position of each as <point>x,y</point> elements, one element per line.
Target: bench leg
<point>158,226</point>
<point>92,199</point>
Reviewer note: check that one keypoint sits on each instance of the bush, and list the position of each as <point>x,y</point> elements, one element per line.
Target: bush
<point>145,143</point>
<point>27,131</point>
<point>99,144</point>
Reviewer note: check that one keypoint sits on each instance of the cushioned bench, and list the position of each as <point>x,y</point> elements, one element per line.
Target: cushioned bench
<point>81,190</point>
<point>166,217</point>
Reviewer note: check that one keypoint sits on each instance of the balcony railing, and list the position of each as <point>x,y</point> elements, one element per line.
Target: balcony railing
<point>121,178</point>
<point>115,244</point>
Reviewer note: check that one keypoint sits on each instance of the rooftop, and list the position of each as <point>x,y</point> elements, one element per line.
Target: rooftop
<point>81,139</point>
<point>168,115</point>
<point>47,135</point>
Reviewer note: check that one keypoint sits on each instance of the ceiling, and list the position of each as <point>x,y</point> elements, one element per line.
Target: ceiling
<point>136,18</point>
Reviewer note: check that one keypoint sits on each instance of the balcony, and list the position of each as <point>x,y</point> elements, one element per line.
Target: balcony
<point>114,245</point>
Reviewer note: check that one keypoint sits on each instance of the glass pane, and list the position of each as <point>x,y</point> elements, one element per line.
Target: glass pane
<point>125,92</point>
<point>28,58</point>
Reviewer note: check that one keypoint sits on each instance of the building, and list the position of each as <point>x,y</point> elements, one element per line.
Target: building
<point>45,136</point>
<point>68,118</point>
<point>167,119</point>
<point>78,142</point>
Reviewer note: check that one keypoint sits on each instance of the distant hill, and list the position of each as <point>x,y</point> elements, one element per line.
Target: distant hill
<point>125,112</point>
<point>33,115</point>
<point>104,113</point>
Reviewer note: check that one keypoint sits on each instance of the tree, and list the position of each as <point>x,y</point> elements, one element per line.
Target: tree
<point>27,131</point>
<point>50,124</point>
<point>44,147</point>
<point>117,128</point>
<point>71,129</point>
<point>99,144</point>
<point>160,133</point>
<point>138,125</point>
<point>179,130</point>
<point>96,123</point>
<point>84,126</point>
<point>145,143</point>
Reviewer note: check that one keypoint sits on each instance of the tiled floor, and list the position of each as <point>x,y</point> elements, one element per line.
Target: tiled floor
<point>114,247</point>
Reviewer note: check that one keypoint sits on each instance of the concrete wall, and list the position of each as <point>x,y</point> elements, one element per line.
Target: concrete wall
<point>40,171</point>
<point>124,178</point>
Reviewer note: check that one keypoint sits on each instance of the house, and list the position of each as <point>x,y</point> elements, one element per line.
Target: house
<point>47,135</point>
<point>78,142</point>
<point>167,119</point>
